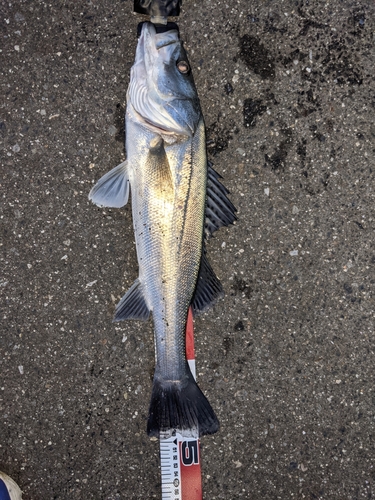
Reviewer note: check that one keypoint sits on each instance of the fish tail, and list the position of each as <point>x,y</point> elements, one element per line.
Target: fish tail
<point>180,405</point>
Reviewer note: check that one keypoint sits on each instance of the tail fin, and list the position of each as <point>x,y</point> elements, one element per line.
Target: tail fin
<point>180,405</point>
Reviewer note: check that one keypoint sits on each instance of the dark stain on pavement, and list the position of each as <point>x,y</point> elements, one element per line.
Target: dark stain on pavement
<point>251,109</point>
<point>242,287</point>
<point>218,136</point>
<point>256,57</point>
<point>278,159</point>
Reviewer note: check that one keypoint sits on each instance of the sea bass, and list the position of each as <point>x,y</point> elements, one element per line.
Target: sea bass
<point>177,202</point>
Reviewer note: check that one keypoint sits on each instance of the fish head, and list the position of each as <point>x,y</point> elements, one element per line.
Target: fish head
<point>161,88</point>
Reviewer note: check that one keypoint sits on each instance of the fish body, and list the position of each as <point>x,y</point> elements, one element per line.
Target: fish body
<point>177,199</point>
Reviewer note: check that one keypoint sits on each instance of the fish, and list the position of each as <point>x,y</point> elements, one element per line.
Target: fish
<point>177,202</point>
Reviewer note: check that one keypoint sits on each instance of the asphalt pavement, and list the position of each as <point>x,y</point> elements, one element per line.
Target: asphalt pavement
<point>287,357</point>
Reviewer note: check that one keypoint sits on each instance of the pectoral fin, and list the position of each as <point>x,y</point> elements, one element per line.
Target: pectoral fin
<point>112,190</point>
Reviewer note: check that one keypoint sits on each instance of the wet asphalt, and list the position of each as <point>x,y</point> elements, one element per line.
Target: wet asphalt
<point>287,357</point>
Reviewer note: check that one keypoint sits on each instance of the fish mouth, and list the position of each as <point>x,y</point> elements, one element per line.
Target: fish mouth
<point>156,40</point>
<point>165,43</point>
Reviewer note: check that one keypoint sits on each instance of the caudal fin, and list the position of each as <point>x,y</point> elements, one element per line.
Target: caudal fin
<point>180,405</point>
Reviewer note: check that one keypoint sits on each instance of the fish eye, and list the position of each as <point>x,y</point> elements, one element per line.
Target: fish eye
<point>183,67</point>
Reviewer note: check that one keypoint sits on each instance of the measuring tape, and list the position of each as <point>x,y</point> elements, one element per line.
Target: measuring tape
<point>180,459</point>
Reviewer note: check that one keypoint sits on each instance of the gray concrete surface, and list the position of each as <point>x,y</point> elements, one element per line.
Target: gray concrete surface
<point>287,358</point>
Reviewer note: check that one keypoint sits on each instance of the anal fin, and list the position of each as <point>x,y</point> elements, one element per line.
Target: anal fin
<point>208,288</point>
<point>133,304</point>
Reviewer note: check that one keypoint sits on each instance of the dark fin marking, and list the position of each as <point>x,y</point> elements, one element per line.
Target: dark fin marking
<point>208,288</point>
<point>112,190</point>
<point>132,305</point>
<point>180,405</point>
<point>220,211</point>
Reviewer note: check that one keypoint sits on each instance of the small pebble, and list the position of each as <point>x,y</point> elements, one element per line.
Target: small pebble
<point>91,283</point>
<point>19,18</point>
<point>112,130</point>
<point>228,88</point>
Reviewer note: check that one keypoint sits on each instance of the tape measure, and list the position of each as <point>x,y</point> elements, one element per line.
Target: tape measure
<point>181,477</point>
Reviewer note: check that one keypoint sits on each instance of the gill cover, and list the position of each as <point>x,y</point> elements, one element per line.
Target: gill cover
<point>161,88</point>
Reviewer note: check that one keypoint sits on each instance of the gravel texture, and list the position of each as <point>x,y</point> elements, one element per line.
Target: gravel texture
<point>287,358</point>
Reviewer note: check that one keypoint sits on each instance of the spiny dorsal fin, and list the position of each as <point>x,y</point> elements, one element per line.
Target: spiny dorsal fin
<point>208,288</point>
<point>133,304</point>
<point>220,211</point>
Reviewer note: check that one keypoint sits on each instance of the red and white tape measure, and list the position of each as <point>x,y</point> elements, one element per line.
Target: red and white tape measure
<point>180,459</point>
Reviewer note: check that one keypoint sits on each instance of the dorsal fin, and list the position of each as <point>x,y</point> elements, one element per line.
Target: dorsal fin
<point>220,211</point>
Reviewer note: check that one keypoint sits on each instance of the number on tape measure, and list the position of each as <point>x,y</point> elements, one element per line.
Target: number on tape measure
<point>189,452</point>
